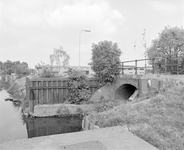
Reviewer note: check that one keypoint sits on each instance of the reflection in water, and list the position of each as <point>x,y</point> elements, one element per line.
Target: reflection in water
<point>11,124</point>
<point>49,126</point>
<point>14,126</point>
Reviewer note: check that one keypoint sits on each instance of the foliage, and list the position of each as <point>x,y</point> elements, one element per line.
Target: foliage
<point>106,61</point>
<point>105,104</point>
<point>78,87</point>
<point>44,70</point>
<point>167,51</point>
<point>4,84</point>
<point>60,57</point>
<point>9,67</point>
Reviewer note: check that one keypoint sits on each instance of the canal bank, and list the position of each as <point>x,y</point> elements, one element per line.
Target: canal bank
<point>111,138</point>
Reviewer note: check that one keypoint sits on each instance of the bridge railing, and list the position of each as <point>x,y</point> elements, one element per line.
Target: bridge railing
<point>164,67</point>
<point>135,69</point>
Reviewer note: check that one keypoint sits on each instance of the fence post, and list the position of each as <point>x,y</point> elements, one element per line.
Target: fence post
<point>27,89</point>
<point>135,66</point>
<point>153,66</point>
<point>122,68</point>
<point>29,95</point>
<point>31,101</point>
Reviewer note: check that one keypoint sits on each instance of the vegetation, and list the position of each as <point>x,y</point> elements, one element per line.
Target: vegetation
<point>60,57</point>
<point>167,51</point>
<point>158,120</point>
<point>44,71</point>
<point>4,84</point>
<point>78,87</point>
<point>105,105</point>
<point>9,67</point>
<point>106,61</point>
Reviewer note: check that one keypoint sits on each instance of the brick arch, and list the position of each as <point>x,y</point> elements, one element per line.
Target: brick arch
<point>121,81</point>
<point>110,91</point>
<point>125,87</point>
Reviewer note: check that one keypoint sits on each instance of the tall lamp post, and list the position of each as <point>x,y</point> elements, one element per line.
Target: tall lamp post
<point>79,42</point>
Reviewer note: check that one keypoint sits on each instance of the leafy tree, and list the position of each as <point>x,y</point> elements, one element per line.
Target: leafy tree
<point>60,57</point>
<point>8,67</point>
<point>106,61</point>
<point>22,69</point>
<point>78,87</point>
<point>167,51</point>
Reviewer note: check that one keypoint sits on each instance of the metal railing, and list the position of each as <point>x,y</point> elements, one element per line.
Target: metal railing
<point>135,69</point>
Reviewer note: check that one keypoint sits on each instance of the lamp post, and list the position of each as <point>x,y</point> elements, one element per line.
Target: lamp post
<point>79,43</point>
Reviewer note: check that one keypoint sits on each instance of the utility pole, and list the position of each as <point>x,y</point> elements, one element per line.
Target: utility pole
<point>144,45</point>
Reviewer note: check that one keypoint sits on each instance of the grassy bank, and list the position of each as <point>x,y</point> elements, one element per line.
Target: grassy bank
<point>158,120</point>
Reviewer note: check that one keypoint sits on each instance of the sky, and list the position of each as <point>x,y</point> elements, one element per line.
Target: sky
<point>30,30</point>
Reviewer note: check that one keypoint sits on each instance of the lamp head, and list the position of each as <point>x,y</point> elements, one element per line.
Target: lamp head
<point>87,30</point>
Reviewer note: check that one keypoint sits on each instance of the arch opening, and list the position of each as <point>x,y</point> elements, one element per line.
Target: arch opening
<point>125,91</point>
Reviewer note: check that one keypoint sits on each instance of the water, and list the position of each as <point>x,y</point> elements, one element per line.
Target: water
<point>14,126</point>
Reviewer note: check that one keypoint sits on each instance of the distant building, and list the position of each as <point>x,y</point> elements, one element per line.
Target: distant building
<point>130,70</point>
<point>86,69</point>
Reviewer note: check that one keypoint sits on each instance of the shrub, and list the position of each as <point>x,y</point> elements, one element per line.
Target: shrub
<point>45,71</point>
<point>78,88</point>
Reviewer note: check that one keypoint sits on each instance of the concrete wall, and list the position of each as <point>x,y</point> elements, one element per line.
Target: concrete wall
<point>60,109</point>
<point>88,124</point>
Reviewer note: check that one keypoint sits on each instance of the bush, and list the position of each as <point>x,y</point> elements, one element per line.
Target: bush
<point>78,88</point>
<point>45,71</point>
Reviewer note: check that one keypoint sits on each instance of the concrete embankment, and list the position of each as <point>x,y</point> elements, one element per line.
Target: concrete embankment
<point>60,109</point>
<point>111,138</point>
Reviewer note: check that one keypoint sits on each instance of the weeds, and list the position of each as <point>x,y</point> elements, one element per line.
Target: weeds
<point>159,121</point>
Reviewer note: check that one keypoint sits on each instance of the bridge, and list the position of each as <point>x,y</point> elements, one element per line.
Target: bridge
<point>124,87</point>
<point>56,90</point>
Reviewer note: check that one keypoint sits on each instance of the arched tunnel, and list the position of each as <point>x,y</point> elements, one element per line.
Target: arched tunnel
<point>125,91</point>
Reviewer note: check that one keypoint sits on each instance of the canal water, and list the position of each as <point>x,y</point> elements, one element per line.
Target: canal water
<point>14,126</point>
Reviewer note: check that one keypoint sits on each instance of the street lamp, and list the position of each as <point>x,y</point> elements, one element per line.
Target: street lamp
<point>79,43</point>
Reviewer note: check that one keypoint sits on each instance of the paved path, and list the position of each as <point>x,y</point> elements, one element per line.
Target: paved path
<point>112,138</point>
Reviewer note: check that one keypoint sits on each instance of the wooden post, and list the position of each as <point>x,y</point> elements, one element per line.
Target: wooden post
<point>28,95</point>
<point>122,68</point>
<point>135,66</point>
<point>153,66</point>
<point>27,89</point>
<point>31,101</point>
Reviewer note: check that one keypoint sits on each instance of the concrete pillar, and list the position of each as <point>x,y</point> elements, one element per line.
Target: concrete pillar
<point>143,86</point>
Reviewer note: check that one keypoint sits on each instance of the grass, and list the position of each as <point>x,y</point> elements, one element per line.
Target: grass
<point>159,121</point>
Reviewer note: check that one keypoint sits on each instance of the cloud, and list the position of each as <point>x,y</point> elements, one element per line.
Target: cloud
<point>164,6</point>
<point>97,14</point>
<point>35,27</point>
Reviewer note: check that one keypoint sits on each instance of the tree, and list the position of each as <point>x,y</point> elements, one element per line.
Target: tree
<point>9,67</point>
<point>106,61</point>
<point>167,51</point>
<point>60,57</point>
<point>22,69</point>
